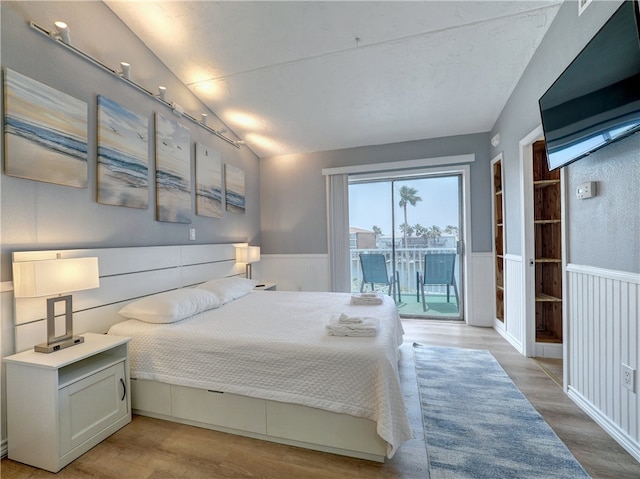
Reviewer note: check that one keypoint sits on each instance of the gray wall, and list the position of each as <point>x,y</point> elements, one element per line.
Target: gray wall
<point>293,191</point>
<point>602,231</point>
<point>37,215</point>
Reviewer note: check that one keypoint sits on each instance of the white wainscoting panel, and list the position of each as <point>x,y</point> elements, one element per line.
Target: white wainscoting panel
<point>513,329</point>
<point>294,272</point>
<point>603,334</point>
<point>481,291</point>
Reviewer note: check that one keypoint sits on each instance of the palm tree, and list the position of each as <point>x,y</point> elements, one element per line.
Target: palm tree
<point>408,196</point>
<point>434,232</point>
<point>407,230</point>
<point>452,230</point>
<point>377,231</point>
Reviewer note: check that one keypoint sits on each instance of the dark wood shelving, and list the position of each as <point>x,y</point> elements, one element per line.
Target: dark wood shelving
<point>498,236</point>
<point>548,248</point>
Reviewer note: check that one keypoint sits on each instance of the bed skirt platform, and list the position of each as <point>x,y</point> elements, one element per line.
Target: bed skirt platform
<point>274,421</point>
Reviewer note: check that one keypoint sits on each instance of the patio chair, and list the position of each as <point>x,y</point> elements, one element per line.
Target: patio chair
<point>438,269</point>
<point>374,271</point>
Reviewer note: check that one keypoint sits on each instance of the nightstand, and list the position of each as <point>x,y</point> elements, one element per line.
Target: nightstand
<point>266,287</point>
<point>60,405</point>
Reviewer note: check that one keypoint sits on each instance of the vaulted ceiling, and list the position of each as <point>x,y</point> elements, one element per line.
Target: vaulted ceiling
<point>303,76</point>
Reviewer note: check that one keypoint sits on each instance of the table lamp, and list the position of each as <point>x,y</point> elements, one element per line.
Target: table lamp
<point>32,279</point>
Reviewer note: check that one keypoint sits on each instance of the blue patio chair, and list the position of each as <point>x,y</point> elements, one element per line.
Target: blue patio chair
<point>374,271</point>
<point>439,268</point>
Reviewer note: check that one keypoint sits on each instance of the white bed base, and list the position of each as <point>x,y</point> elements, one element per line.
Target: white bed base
<point>130,273</point>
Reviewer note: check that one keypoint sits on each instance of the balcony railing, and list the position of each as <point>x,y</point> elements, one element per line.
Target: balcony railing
<point>408,261</point>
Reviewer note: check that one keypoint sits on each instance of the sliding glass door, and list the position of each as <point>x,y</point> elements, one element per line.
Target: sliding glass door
<point>414,224</point>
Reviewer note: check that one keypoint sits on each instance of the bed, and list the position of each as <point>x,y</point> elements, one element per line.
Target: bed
<point>260,364</point>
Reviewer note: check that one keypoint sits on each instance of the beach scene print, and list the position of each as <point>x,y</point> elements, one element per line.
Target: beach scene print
<point>45,133</point>
<point>123,165</point>
<point>173,171</point>
<point>208,182</point>
<point>234,187</point>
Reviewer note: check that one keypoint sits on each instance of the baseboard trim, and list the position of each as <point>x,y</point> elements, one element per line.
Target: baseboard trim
<point>510,339</point>
<point>611,428</point>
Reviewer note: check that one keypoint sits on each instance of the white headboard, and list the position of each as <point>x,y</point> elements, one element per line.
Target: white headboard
<point>125,274</point>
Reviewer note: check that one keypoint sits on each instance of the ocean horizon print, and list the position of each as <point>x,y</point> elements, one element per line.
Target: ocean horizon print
<point>123,166</point>
<point>45,133</point>
<point>208,182</point>
<point>173,171</point>
<point>234,189</point>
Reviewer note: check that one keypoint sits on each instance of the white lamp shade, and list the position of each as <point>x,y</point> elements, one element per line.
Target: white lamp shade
<point>45,278</point>
<point>248,254</point>
<point>254,254</point>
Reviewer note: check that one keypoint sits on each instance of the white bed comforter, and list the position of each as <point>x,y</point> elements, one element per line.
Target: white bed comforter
<point>274,345</point>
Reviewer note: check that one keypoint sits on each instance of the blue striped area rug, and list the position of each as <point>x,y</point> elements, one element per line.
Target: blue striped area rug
<point>478,424</point>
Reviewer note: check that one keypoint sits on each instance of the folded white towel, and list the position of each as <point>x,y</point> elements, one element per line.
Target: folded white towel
<point>367,327</point>
<point>344,319</point>
<point>366,298</point>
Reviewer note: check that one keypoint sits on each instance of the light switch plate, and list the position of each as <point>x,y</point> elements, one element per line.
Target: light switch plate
<point>586,190</point>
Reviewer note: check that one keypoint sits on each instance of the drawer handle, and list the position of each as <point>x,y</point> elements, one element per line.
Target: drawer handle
<point>124,389</point>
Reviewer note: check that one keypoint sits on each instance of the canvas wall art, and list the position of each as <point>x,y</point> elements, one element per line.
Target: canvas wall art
<point>123,165</point>
<point>234,187</point>
<point>45,133</point>
<point>208,182</point>
<point>173,171</point>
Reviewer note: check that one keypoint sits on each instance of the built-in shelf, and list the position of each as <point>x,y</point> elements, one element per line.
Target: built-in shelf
<point>498,236</point>
<point>548,248</point>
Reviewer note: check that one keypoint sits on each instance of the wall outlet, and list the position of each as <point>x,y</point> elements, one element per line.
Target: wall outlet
<point>628,378</point>
<point>192,234</point>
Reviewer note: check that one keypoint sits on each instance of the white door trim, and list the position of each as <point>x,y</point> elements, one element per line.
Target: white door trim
<point>528,247</point>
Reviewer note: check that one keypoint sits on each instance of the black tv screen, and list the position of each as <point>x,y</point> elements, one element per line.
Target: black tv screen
<point>596,100</point>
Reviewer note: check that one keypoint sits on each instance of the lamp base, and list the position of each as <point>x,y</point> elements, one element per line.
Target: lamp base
<point>57,346</point>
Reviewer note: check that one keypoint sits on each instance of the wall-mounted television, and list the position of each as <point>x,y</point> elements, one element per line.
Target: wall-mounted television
<point>596,100</point>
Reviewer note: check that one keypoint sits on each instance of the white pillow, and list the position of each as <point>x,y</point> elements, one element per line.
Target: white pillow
<point>171,306</point>
<point>228,289</point>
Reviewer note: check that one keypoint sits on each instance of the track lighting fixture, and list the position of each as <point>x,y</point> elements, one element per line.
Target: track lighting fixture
<point>126,70</point>
<point>177,109</point>
<point>163,92</point>
<point>241,142</point>
<point>63,31</point>
<point>60,35</point>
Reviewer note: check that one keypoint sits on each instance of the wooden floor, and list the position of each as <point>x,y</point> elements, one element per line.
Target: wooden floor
<point>154,449</point>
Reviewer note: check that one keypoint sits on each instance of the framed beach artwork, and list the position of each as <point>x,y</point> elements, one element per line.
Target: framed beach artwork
<point>234,189</point>
<point>45,133</point>
<point>173,171</point>
<point>208,182</point>
<point>123,164</point>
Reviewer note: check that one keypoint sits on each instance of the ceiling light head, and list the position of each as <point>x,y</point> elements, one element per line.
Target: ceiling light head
<point>241,142</point>
<point>177,109</point>
<point>63,31</point>
<point>162,92</point>
<point>125,70</point>
<point>203,118</point>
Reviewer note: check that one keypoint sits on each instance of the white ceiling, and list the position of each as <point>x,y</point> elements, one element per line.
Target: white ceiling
<point>303,76</point>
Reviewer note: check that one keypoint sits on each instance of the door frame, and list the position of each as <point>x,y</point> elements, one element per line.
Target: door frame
<point>464,171</point>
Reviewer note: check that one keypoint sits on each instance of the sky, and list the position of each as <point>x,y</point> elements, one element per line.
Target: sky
<point>370,203</point>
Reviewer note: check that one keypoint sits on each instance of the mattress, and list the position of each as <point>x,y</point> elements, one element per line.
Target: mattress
<point>273,345</point>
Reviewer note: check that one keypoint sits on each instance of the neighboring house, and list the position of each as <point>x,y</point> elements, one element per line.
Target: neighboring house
<point>286,199</point>
<point>361,239</point>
